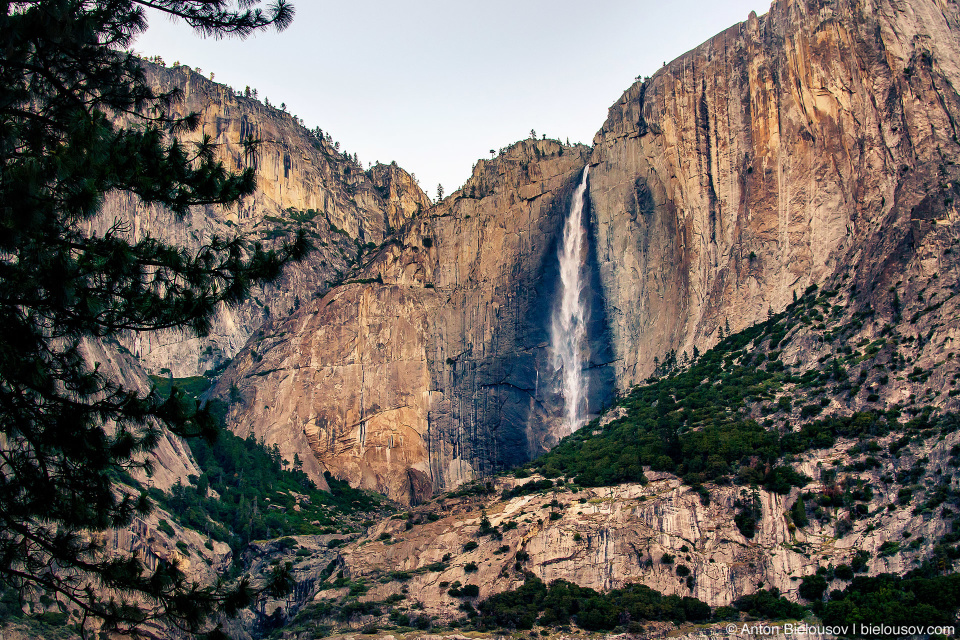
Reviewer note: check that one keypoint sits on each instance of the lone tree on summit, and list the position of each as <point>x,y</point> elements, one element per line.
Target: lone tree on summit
<point>66,430</point>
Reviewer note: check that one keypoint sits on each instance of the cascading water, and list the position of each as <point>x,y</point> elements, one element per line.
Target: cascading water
<point>568,327</point>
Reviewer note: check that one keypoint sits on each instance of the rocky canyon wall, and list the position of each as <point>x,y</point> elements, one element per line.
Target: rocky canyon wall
<point>811,145</point>
<point>304,182</point>
<point>662,534</point>
<point>787,150</point>
<point>430,365</point>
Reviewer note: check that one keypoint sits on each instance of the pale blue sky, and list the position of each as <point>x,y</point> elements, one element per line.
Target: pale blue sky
<point>436,84</point>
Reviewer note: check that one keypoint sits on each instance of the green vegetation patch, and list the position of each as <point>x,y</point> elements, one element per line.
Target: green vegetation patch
<point>563,602</point>
<point>894,600</point>
<point>54,625</point>
<point>691,423</point>
<point>767,605</point>
<point>884,599</point>
<point>533,486</point>
<point>192,387</point>
<point>696,417</point>
<point>258,493</point>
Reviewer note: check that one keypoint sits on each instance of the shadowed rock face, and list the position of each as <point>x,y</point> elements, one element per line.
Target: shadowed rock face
<point>431,365</point>
<point>815,144</point>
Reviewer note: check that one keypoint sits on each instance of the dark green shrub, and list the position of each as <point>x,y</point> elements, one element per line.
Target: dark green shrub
<point>748,513</point>
<point>888,548</point>
<point>52,618</point>
<point>798,513</point>
<point>530,487</point>
<point>165,527</point>
<point>422,622</point>
<point>896,600</point>
<point>770,605</point>
<point>534,602</point>
<point>726,613</point>
<point>843,572</point>
<point>813,587</point>
<point>352,608</point>
<point>859,562</point>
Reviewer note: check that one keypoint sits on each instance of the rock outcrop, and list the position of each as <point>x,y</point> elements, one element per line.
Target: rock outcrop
<point>303,182</point>
<point>661,534</point>
<point>170,460</point>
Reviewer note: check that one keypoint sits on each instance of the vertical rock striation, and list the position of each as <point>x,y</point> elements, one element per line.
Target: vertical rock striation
<point>786,150</point>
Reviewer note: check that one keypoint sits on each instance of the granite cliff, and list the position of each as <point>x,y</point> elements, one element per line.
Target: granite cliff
<point>814,144</point>
<point>661,534</point>
<point>304,182</point>
<point>429,365</point>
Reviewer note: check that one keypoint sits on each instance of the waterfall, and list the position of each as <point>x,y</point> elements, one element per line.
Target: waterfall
<point>568,326</point>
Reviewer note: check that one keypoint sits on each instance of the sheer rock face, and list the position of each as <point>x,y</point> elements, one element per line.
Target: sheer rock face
<point>815,144</point>
<point>303,181</point>
<point>430,365</point>
<point>787,150</point>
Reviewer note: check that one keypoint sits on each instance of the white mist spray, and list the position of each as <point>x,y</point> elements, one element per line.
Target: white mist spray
<point>568,328</point>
